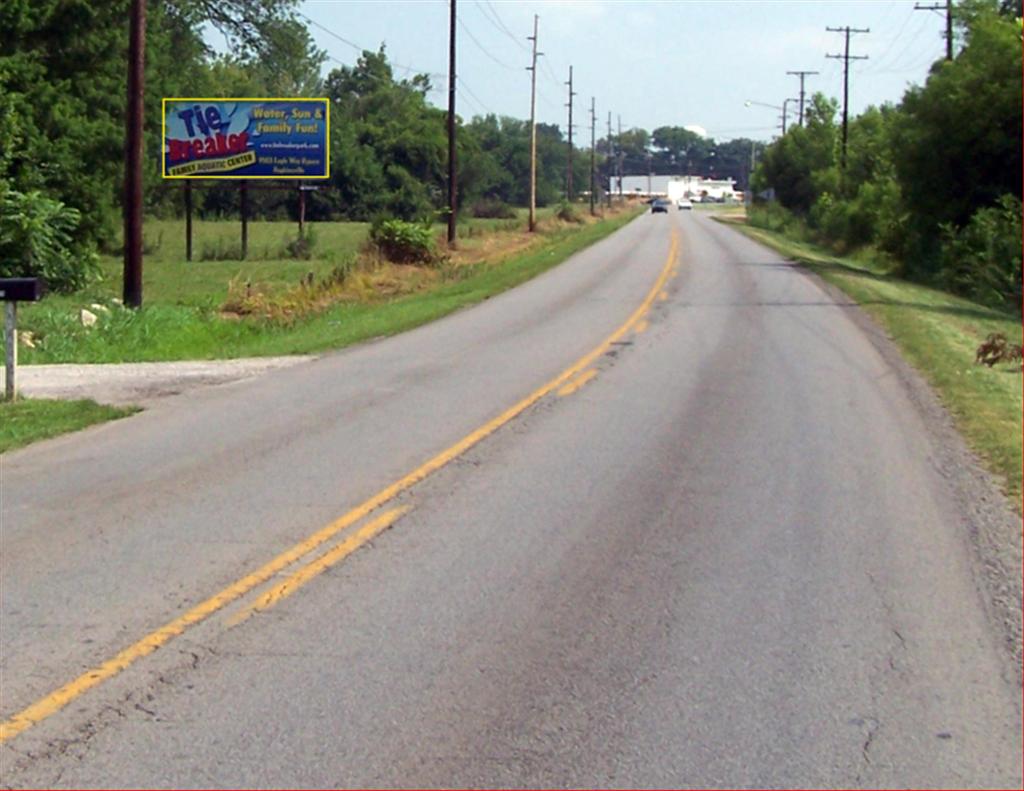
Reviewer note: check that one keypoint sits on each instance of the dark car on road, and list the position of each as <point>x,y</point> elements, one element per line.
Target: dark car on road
<point>660,206</point>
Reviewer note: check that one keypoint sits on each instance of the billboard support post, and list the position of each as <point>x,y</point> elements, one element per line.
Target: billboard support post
<point>188,220</point>
<point>302,210</point>
<point>245,219</point>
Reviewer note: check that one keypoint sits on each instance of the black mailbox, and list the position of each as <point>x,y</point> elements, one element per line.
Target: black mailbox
<point>21,289</point>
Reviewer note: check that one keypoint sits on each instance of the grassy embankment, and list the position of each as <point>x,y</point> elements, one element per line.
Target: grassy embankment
<point>29,420</point>
<point>938,334</point>
<point>190,307</point>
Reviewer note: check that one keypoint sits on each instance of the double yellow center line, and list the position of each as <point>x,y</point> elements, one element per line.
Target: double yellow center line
<point>56,700</point>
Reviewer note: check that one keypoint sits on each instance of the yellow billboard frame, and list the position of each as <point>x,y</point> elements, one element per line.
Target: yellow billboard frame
<point>163,134</point>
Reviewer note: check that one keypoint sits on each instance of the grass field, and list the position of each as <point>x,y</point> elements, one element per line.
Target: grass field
<point>185,316</point>
<point>938,334</point>
<point>30,420</point>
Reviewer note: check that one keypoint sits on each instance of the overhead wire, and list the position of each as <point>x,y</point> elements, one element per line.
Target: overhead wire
<point>481,47</point>
<point>361,49</point>
<point>499,24</point>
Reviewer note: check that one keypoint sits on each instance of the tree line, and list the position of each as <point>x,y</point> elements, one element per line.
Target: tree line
<point>62,104</point>
<point>932,183</point>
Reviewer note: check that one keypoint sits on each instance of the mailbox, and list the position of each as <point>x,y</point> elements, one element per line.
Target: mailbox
<point>21,289</point>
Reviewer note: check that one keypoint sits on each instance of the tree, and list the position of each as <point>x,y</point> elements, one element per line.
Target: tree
<point>800,166</point>
<point>389,147</point>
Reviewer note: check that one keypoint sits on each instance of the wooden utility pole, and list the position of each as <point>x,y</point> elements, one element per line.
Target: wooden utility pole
<point>593,152</point>
<point>801,75</point>
<point>611,159</point>
<point>133,157</point>
<point>846,57</point>
<point>568,173</point>
<point>533,129</point>
<point>452,194</point>
<point>949,22</point>
<point>618,163</point>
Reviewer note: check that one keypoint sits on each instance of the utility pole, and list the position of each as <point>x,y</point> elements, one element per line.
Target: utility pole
<point>451,129</point>
<point>611,158</point>
<point>618,164</point>
<point>568,174</point>
<point>785,104</point>
<point>533,129</point>
<point>846,57</point>
<point>593,151</point>
<point>801,75</point>
<point>949,22</point>
<point>133,157</point>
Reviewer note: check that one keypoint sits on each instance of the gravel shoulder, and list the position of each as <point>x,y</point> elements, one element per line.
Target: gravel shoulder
<point>139,384</point>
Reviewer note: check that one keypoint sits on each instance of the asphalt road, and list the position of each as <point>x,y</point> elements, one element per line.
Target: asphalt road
<point>710,546</point>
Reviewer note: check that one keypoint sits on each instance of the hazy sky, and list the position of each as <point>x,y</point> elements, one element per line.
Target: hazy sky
<point>652,62</point>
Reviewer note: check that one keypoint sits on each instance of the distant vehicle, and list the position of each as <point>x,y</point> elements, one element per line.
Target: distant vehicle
<point>660,205</point>
<point>684,203</point>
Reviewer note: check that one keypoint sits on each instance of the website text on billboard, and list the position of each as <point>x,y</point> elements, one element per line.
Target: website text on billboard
<point>246,138</point>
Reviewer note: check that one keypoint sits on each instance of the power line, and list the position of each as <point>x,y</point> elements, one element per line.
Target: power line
<point>949,22</point>
<point>501,25</point>
<point>361,50</point>
<point>476,99</point>
<point>482,48</point>
<point>890,56</point>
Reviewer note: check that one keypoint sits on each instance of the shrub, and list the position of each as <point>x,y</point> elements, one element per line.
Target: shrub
<point>982,260</point>
<point>567,213</point>
<point>302,246</point>
<point>403,242</point>
<point>36,241</point>
<point>493,209</point>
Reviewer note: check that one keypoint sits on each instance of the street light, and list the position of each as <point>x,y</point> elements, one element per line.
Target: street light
<point>749,102</point>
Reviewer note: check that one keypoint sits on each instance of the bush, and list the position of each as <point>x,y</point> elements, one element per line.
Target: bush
<point>302,246</point>
<point>982,260</point>
<point>403,242</point>
<point>492,209</point>
<point>566,212</point>
<point>36,241</point>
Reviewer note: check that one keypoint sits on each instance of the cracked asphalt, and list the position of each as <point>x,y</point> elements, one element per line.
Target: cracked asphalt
<point>746,552</point>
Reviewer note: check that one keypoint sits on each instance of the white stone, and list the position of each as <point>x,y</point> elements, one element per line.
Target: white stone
<point>27,339</point>
<point>95,306</point>
<point>87,317</point>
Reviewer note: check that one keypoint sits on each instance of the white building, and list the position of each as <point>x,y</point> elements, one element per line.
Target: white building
<point>675,187</point>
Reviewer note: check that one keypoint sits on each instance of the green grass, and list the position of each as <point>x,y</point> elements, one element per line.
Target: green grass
<point>938,334</point>
<point>180,319</point>
<point>30,420</point>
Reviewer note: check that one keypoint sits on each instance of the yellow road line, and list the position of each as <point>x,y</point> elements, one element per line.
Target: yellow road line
<point>59,698</point>
<point>316,567</point>
<point>571,387</point>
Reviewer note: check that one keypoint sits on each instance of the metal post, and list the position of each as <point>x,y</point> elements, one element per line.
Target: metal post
<point>188,220</point>
<point>245,219</point>
<point>302,210</point>
<point>11,342</point>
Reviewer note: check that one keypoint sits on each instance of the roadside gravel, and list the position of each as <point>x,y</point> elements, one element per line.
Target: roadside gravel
<point>139,384</point>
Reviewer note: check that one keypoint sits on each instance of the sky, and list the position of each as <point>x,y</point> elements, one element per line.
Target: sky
<point>649,62</point>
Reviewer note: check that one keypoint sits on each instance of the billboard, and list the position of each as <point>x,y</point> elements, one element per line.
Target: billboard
<point>246,138</point>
